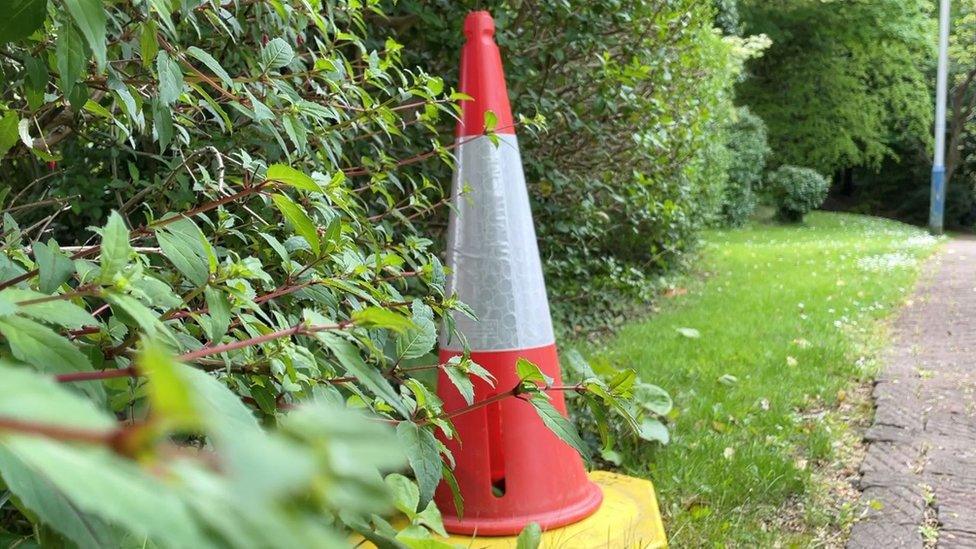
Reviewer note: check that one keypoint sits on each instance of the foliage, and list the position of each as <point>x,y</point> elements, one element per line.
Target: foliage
<point>748,151</point>
<point>796,191</point>
<point>727,16</point>
<point>231,357</point>
<point>842,80</point>
<point>750,426</point>
<point>633,94</point>
<point>901,188</point>
<point>603,430</point>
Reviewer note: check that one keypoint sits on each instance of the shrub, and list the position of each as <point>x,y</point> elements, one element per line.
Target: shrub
<point>624,175</point>
<point>233,357</point>
<point>746,141</point>
<point>796,191</point>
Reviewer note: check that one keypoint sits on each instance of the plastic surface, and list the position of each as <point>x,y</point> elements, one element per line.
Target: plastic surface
<point>482,78</point>
<point>492,251</point>
<point>511,469</point>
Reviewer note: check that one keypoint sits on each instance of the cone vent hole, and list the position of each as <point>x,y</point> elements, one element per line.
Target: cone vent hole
<point>496,450</point>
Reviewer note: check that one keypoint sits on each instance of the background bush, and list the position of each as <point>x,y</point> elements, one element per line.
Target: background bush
<point>635,95</point>
<point>748,150</point>
<point>796,191</point>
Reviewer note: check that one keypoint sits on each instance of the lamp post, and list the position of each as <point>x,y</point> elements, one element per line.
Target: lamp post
<point>937,202</point>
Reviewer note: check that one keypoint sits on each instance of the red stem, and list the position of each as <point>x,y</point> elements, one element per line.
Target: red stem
<point>298,329</point>
<point>100,374</point>
<point>513,392</point>
<point>147,230</point>
<point>57,432</point>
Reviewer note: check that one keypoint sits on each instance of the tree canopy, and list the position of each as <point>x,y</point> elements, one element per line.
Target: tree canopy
<point>842,80</point>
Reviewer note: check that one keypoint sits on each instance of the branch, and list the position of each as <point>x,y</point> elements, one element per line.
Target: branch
<point>298,329</point>
<point>58,432</point>
<point>516,391</point>
<point>148,229</point>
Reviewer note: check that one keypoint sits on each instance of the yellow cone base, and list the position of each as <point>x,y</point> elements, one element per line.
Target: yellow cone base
<point>628,518</point>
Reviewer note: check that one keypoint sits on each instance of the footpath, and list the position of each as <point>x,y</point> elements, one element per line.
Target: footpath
<point>919,474</point>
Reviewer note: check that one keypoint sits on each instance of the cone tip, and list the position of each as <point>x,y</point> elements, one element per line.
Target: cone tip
<point>479,23</point>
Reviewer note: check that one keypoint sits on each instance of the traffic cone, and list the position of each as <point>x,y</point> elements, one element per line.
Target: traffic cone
<point>511,470</point>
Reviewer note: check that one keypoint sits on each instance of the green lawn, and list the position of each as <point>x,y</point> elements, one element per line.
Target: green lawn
<point>789,320</point>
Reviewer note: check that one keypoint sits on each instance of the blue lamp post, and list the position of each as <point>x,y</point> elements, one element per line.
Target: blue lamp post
<point>937,203</point>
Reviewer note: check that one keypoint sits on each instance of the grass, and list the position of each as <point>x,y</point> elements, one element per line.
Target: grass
<point>789,319</point>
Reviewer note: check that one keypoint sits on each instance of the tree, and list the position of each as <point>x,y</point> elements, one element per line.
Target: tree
<point>962,93</point>
<point>841,80</point>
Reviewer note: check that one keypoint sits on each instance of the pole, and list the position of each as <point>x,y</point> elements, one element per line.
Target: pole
<point>937,203</point>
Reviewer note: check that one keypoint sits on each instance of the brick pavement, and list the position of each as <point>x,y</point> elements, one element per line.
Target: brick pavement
<point>920,466</point>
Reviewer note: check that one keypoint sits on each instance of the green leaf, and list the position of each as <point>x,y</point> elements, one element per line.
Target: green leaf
<point>8,132</point>
<point>53,507</point>
<point>116,250</point>
<point>21,18</point>
<point>652,398</point>
<point>530,537</point>
<point>622,382</point>
<point>185,245</point>
<point>299,220</point>
<point>106,486</point>
<point>219,408</point>
<point>557,423</point>
<point>78,96</point>
<point>479,371</point>
<point>55,267</point>
<point>491,121</point>
<point>529,371</point>
<point>378,317</point>
<point>432,519</point>
<point>276,54</point>
<point>653,430</point>
<point>461,380</point>
<point>370,376</point>
<point>170,78</point>
<point>406,495</point>
<point>219,307</point>
<point>169,393</point>
<point>211,64</point>
<point>418,340</point>
<point>423,454</point>
<point>89,15</point>
<point>291,177</point>
<point>43,348</point>
<point>124,307</point>
<point>163,123</point>
<point>728,379</point>
<point>577,365</point>
<point>7,306</point>
<point>451,481</point>
<point>148,43</point>
<point>60,312</point>
<point>71,59</point>
<point>25,394</point>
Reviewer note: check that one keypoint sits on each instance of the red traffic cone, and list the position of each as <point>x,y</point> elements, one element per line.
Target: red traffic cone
<point>511,470</point>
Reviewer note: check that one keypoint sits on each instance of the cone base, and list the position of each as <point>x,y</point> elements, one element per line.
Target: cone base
<point>579,510</point>
<point>628,518</point>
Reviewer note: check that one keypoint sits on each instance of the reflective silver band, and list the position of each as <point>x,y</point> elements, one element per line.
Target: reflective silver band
<point>492,251</point>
